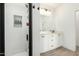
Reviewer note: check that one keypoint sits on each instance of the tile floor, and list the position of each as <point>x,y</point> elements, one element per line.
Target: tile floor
<point>21,54</point>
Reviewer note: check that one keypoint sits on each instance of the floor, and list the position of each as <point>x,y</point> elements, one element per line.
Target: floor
<point>61,52</point>
<point>21,54</point>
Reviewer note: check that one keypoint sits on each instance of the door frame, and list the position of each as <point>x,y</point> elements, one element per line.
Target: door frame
<point>30,29</point>
<point>77,10</point>
<point>2,26</point>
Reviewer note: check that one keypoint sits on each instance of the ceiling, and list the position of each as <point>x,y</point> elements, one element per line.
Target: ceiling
<point>50,6</point>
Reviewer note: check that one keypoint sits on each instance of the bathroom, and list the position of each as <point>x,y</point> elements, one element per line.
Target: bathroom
<point>40,29</point>
<point>50,37</point>
<point>50,27</point>
<point>59,29</point>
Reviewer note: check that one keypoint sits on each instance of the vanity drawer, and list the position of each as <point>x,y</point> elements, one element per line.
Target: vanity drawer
<point>51,46</point>
<point>42,36</point>
<point>52,41</point>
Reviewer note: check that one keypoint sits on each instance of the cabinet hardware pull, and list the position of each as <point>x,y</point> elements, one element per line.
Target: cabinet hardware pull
<point>27,37</point>
<point>42,36</point>
<point>51,45</point>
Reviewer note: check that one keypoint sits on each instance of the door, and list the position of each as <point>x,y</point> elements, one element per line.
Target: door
<point>18,30</point>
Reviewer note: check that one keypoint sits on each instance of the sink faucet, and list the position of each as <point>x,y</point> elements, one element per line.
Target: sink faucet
<point>53,31</point>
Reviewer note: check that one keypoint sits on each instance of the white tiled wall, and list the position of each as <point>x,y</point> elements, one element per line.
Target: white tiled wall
<point>15,37</point>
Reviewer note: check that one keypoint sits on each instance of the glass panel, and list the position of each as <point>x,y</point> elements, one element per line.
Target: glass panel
<point>17,29</point>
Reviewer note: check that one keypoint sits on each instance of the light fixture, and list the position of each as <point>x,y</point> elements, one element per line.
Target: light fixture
<point>45,12</point>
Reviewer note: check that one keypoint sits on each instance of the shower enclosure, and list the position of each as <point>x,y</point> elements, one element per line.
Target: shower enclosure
<point>15,29</point>
<point>19,29</point>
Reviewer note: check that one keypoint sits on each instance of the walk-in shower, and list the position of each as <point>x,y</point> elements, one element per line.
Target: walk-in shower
<point>18,29</point>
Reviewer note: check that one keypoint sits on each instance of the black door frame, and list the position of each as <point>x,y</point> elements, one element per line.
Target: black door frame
<point>2,29</point>
<point>2,34</point>
<point>30,29</point>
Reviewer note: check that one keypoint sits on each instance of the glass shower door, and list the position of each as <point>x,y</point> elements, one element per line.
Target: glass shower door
<point>18,26</point>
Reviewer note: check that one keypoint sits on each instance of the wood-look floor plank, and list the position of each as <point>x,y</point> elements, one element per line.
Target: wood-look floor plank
<point>60,52</point>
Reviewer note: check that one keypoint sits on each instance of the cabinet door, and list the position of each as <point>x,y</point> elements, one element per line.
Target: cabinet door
<point>44,43</point>
<point>41,43</point>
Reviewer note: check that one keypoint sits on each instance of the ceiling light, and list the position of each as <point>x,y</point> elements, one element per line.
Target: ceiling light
<point>45,12</point>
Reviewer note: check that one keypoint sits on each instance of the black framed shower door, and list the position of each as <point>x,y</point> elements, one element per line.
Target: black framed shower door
<point>30,29</point>
<point>2,36</point>
<point>2,29</point>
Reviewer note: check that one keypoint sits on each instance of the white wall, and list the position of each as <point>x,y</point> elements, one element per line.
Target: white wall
<point>77,27</point>
<point>15,38</point>
<point>36,30</point>
<point>47,21</point>
<point>65,21</point>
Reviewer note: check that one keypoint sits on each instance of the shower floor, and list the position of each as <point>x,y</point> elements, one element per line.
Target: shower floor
<point>21,54</point>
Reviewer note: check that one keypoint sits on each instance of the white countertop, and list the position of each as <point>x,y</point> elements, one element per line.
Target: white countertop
<point>50,33</point>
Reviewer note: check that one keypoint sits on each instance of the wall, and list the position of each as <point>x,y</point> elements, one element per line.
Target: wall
<point>77,28</point>
<point>65,22</point>
<point>15,38</point>
<point>36,30</point>
<point>47,22</point>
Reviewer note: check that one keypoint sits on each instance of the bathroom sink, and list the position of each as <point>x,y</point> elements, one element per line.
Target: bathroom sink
<point>50,33</point>
<point>44,32</point>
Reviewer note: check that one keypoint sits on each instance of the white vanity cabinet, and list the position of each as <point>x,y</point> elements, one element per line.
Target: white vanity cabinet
<point>48,42</point>
<point>44,43</point>
<point>53,42</point>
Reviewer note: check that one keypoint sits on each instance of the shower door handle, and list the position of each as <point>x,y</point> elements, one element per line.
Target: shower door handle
<point>27,37</point>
